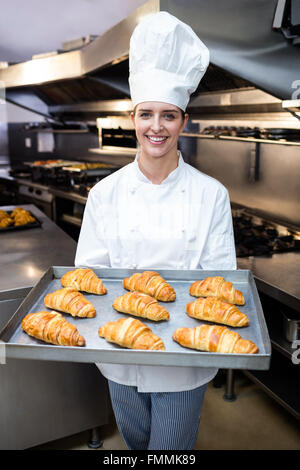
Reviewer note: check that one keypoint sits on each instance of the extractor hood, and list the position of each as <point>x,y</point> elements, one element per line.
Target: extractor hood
<point>245,51</point>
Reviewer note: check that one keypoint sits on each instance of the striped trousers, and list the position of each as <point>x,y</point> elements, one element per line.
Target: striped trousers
<point>157,421</point>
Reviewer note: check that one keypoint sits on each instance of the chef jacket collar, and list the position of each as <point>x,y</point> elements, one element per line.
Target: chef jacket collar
<point>171,178</point>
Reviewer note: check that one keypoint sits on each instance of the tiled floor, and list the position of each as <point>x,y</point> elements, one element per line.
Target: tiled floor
<point>253,422</point>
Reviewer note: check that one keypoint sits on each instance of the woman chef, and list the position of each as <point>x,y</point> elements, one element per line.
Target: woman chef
<point>159,213</point>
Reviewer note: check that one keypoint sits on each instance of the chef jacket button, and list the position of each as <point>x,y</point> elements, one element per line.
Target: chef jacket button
<point>183,190</point>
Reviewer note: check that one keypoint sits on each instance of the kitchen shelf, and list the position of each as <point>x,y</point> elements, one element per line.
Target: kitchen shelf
<point>70,219</point>
<point>275,324</point>
<point>281,382</point>
<point>59,131</point>
<point>280,343</point>
<point>70,195</point>
<point>199,136</point>
<point>114,151</point>
<point>239,139</point>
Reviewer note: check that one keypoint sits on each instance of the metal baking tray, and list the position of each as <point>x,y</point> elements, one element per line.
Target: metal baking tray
<point>12,228</point>
<point>20,345</point>
<point>55,163</point>
<point>103,170</point>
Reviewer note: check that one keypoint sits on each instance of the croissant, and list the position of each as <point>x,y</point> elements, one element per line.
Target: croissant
<point>71,301</point>
<point>23,219</point>
<point>151,283</point>
<point>217,287</point>
<point>18,210</point>
<point>6,222</point>
<point>51,327</point>
<point>141,305</point>
<point>215,310</point>
<point>85,280</point>
<point>214,338</point>
<point>3,214</point>
<point>131,333</point>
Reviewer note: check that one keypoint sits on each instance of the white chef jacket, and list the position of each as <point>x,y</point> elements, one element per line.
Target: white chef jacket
<point>183,223</point>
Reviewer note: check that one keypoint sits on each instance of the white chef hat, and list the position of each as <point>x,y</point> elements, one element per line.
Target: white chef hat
<point>166,61</point>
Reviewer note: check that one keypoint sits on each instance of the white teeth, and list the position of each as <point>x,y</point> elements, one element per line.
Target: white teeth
<point>157,139</point>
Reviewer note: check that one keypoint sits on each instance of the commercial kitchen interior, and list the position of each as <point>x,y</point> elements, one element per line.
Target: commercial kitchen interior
<point>244,130</point>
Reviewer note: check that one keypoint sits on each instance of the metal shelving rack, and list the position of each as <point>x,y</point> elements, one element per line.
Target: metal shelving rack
<point>239,139</point>
<point>281,381</point>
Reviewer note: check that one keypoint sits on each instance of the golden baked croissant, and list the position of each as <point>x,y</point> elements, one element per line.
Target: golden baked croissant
<point>23,219</point>
<point>51,327</point>
<point>215,310</point>
<point>84,279</point>
<point>214,338</point>
<point>6,222</point>
<point>217,287</point>
<point>18,210</point>
<point>131,333</point>
<point>69,300</point>
<point>3,214</point>
<point>151,283</point>
<point>141,305</point>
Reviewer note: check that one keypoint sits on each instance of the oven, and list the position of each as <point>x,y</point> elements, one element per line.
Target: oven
<point>29,192</point>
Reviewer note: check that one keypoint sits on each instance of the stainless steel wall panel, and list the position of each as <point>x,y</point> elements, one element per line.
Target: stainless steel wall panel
<point>277,190</point>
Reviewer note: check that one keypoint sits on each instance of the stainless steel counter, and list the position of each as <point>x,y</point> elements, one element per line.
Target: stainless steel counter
<point>276,276</point>
<point>26,254</point>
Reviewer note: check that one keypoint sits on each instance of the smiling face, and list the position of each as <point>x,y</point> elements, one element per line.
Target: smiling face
<point>157,127</point>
